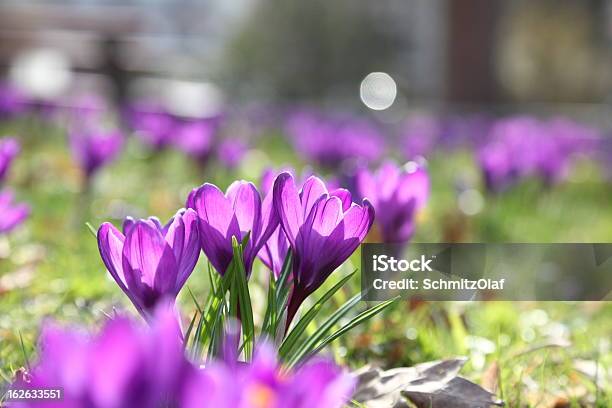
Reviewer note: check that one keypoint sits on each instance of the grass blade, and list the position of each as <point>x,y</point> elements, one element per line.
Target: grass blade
<point>310,343</point>
<point>360,318</point>
<point>244,300</point>
<point>291,340</point>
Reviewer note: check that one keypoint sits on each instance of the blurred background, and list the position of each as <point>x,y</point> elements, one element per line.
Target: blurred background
<point>441,53</point>
<point>507,104</point>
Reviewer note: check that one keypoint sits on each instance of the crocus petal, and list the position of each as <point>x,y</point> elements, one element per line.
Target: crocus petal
<point>183,237</point>
<point>217,225</point>
<point>312,189</point>
<point>288,206</point>
<point>110,244</point>
<point>345,196</point>
<point>246,204</point>
<point>148,262</point>
<point>269,221</point>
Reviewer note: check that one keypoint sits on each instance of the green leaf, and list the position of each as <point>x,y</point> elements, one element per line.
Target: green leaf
<point>281,283</point>
<point>25,353</point>
<point>197,305</point>
<point>282,293</point>
<point>244,300</point>
<point>266,327</point>
<point>310,343</point>
<point>291,340</point>
<point>189,329</point>
<point>92,229</point>
<point>211,316</point>
<point>356,321</point>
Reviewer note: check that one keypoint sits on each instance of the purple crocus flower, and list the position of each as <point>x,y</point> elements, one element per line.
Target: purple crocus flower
<point>397,194</point>
<point>231,152</point>
<point>151,262</point>
<point>152,124</point>
<point>11,214</point>
<point>497,167</point>
<point>238,212</point>
<point>196,138</point>
<point>323,230</point>
<point>331,142</point>
<point>93,148</point>
<point>9,149</point>
<point>126,365</point>
<point>275,250</point>
<point>263,384</point>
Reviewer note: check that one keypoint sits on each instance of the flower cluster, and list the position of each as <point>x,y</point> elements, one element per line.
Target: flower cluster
<point>199,138</point>
<point>127,365</point>
<point>521,147</point>
<point>330,142</point>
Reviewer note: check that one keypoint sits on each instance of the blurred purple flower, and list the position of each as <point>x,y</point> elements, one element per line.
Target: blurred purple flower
<point>263,384</point>
<point>196,138</point>
<point>238,212</point>
<point>331,142</point>
<point>12,100</point>
<point>93,147</point>
<point>83,109</point>
<point>420,135</point>
<point>151,262</point>
<point>323,230</point>
<point>11,214</point>
<point>397,194</point>
<point>464,131</point>
<point>152,124</point>
<point>231,151</point>
<point>9,149</point>
<point>523,146</point>
<point>127,365</point>
<point>124,366</point>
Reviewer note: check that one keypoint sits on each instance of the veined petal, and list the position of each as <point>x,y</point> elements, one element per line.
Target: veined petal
<point>246,204</point>
<point>345,196</point>
<point>110,245</point>
<point>183,237</point>
<point>328,214</point>
<point>213,208</point>
<point>288,206</point>
<point>148,260</point>
<point>312,189</point>
<point>358,220</point>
